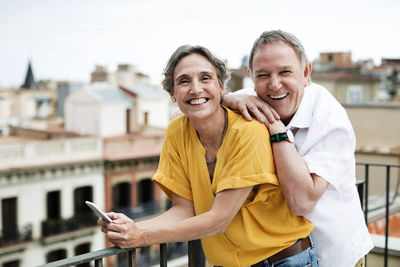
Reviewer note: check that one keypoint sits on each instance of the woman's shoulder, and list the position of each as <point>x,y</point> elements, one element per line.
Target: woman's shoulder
<point>176,126</point>
<point>238,123</point>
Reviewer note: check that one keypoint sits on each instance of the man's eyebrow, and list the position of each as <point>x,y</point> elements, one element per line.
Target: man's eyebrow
<point>261,71</point>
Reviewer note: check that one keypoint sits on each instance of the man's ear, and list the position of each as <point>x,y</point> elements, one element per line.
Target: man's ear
<point>307,73</point>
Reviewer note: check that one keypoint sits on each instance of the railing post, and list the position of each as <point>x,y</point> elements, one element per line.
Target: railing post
<point>132,258</point>
<point>366,192</point>
<point>387,214</point>
<point>196,254</point>
<point>163,255</point>
<point>360,189</point>
<point>98,263</point>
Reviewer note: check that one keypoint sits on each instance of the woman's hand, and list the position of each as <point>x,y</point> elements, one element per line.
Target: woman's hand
<point>124,234</point>
<point>246,105</point>
<point>122,231</point>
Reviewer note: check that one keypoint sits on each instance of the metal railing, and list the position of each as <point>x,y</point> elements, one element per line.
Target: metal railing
<point>363,189</point>
<point>195,256</point>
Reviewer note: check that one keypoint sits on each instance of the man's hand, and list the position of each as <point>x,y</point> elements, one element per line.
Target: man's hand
<point>253,105</point>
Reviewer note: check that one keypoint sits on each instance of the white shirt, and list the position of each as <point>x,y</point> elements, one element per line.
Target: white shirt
<point>324,138</point>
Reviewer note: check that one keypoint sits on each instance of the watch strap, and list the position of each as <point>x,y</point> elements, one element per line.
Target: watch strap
<point>279,137</point>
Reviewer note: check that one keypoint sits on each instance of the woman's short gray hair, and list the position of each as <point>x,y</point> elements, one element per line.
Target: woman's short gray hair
<point>269,37</point>
<point>186,50</point>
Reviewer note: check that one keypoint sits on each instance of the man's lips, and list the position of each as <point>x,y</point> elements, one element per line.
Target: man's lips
<point>278,97</point>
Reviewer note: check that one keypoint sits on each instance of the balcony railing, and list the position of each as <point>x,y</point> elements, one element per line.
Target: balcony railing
<point>142,210</point>
<point>389,198</point>
<point>58,226</point>
<point>196,256</point>
<point>16,236</point>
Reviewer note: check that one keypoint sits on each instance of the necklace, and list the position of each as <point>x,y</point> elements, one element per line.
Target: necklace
<point>222,135</point>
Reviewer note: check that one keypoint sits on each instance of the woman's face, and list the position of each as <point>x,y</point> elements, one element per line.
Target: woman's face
<point>197,89</point>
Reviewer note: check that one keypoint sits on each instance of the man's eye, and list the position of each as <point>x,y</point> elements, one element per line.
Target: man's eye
<point>263,75</point>
<point>286,72</point>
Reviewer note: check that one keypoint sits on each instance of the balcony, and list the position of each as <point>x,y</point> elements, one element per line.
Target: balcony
<point>59,226</point>
<point>16,237</point>
<point>142,210</point>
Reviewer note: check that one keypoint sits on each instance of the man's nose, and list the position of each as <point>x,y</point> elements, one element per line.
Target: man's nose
<point>275,83</point>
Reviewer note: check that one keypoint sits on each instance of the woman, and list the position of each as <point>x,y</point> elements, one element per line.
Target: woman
<point>219,173</point>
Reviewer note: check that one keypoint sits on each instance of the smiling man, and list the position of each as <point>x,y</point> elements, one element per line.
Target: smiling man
<point>313,146</point>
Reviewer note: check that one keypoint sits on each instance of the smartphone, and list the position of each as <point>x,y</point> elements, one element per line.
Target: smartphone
<point>98,211</point>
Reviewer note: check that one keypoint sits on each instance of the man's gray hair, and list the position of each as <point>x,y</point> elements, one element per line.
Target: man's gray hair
<point>186,50</point>
<point>269,37</point>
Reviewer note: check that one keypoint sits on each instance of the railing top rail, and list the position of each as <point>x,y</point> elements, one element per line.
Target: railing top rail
<point>90,256</point>
<point>378,164</point>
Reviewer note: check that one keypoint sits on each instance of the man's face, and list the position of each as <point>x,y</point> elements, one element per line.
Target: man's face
<point>279,79</point>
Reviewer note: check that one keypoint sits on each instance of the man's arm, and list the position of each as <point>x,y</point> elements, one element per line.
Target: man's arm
<point>301,188</point>
<point>249,105</point>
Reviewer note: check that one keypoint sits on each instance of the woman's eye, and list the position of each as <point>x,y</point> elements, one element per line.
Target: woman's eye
<point>204,78</point>
<point>183,81</point>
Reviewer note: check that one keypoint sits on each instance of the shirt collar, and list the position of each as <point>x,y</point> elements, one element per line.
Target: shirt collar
<point>302,117</point>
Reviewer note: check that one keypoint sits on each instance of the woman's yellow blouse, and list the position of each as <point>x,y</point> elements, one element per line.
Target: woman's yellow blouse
<point>265,224</point>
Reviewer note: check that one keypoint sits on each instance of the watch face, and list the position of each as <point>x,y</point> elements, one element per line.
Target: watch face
<point>290,136</point>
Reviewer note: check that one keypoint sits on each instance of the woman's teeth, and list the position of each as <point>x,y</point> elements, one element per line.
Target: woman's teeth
<point>197,101</point>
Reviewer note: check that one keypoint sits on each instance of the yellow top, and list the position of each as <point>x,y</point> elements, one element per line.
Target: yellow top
<point>265,224</point>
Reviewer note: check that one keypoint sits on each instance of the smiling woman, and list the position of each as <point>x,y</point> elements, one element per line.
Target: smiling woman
<point>233,203</point>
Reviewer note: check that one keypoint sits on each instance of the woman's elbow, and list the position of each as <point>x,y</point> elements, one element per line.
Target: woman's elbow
<point>219,224</point>
<point>301,208</point>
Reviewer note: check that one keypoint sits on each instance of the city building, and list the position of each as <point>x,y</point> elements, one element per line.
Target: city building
<point>125,75</point>
<point>349,82</point>
<point>43,185</point>
<point>99,109</point>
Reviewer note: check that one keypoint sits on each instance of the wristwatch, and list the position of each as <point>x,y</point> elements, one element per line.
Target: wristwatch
<point>285,136</point>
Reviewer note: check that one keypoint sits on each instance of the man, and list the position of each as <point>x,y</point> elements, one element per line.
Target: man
<point>316,170</point>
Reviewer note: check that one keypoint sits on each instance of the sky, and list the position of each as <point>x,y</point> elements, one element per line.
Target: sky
<point>66,39</point>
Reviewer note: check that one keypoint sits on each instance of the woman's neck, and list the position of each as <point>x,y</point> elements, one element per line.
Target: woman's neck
<point>211,131</point>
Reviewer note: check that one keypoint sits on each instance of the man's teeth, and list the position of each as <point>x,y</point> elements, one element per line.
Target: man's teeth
<point>278,96</point>
<point>197,101</point>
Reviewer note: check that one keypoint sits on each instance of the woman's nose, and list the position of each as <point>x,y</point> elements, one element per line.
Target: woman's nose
<point>195,87</point>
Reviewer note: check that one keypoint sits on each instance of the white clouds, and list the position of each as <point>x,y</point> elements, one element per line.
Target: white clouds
<point>66,39</point>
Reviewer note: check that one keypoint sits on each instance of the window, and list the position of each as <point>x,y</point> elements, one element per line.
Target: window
<point>354,94</point>
<point>83,215</point>
<point>82,249</point>
<point>145,191</point>
<point>9,219</point>
<point>11,264</point>
<point>53,205</point>
<point>56,255</point>
<point>121,195</point>
<point>82,194</point>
